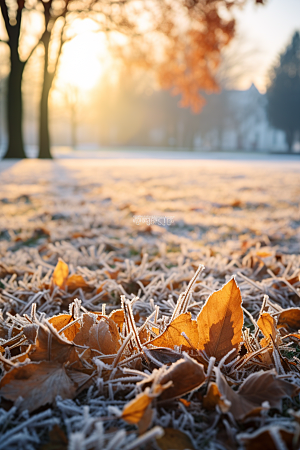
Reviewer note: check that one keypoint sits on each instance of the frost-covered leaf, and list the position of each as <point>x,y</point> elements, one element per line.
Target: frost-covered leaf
<point>60,274</point>
<point>290,319</point>
<point>185,375</point>
<point>61,321</point>
<point>269,438</point>
<point>104,337</point>
<point>257,388</point>
<point>267,325</point>
<point>174,439</point>
<point>50,346</point>
<point>220,322</point>
<point>173,334</point>
<point>213,398</point>
<point>38,383</point>
<point>136,408</point>
<point>76,281</point>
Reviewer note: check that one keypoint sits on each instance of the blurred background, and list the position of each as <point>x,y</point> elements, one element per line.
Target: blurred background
<point>97,102</point>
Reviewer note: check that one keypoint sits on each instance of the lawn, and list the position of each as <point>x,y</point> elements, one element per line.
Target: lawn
<point>238,219</point>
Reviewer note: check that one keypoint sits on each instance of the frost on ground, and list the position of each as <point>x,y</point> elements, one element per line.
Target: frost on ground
<point>237,219</point>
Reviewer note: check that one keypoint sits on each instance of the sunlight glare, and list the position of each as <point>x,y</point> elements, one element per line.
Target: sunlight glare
<point>82,59</point>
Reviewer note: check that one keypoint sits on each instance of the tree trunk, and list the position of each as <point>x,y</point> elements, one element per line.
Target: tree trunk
<point>73,109</point>
<point>14,103</point>
<point>44,137</point>
<point>290,140</point>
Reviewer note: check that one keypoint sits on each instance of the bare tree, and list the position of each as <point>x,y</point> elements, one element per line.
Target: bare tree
<point>13,21</point>
<point>180,41</point>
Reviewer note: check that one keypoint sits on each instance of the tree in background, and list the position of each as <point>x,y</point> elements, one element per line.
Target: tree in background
<point>283,93</point>
<point>13,21</point>
<point>180,41</point>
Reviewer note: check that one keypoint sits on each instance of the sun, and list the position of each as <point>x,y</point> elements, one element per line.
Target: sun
<point>83,57</point>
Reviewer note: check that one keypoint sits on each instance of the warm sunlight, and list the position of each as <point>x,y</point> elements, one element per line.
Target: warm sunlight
<point>83,57</point>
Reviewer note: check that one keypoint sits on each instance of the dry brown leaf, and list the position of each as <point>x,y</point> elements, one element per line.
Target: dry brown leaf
<point>82,337</point>
<point>185,402</point>
<point>100,288</point>
<point>266,438</point>
<point>220,322</point>
<point>146,420</point>
<point>134,411</point>
<point>144,335</point>
<point>173,334</point>
<point>60,321</point>
<point>263,254</point>
<point>37,383</point>
<point>155,330</point>
<point>290,319</point>
<point>60,274</point>
<point>257,388</point>
<point>50,346</point>
<point>267,325</point>
<point>76,281</point>
<point>213,398</point>
<point>80,377</point>
<point>159,356</point>
<point>185,375</point>
<point>57,440</point>
<point>174,439</point>
<point>104,337</point>
<point>118,317</point>
<point>112,274</point>
<point>30,332</point>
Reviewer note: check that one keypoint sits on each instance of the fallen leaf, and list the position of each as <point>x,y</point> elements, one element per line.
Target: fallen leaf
<point>266,438</point>
<point>175,440</point>
<point>213,398</point>
<point>146,420</point>
<point>134,411</point>
<point>60,274</point>
<point>220,322</point>
<point>50,346</point>
<point>185,375</point>
<point>173,334</point>
<point>82,337</point>
<point>263,254</point>
<point>185,402</point>
<point>267,325</point>
<point>118,317</point>
<point>30,332</point>
<point>294,280</point>
<point>258,388</point>
<point>76,281</point>
<point>159,356</point>
<point>60,321</point>
<point>100,288</point>
<point>112,274</point>
<point>38,383</point>
<point>104,337</point>
<point>290,319</point>
<point>57,440</point>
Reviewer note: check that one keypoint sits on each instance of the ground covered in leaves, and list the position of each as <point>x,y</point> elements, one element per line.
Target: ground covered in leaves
<point>115,335</point>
